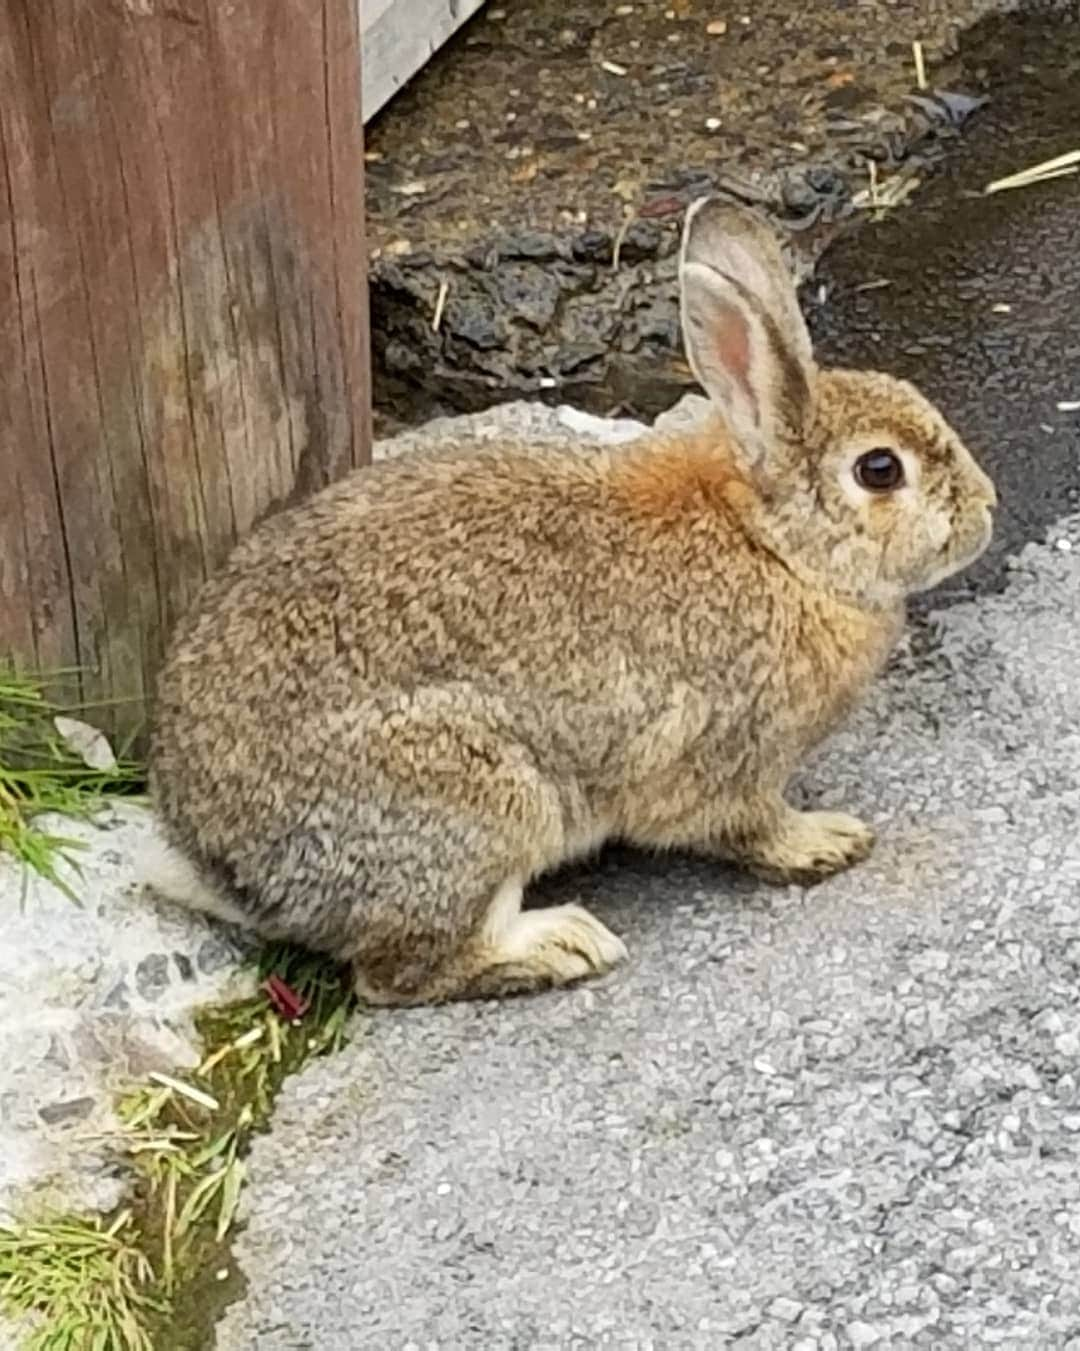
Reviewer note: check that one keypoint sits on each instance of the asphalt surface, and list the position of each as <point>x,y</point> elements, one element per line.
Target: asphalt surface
<point>840,1118</point>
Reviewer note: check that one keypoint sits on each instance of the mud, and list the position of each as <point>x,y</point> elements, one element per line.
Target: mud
<point>526,190</point>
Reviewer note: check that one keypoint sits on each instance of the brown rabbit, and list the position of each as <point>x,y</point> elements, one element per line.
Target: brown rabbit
<point>402,700</point>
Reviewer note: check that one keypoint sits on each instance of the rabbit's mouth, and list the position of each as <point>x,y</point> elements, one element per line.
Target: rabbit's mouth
<point>960,552</point>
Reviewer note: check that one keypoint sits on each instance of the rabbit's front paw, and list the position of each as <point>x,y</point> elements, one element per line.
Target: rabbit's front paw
<point>810,846</point>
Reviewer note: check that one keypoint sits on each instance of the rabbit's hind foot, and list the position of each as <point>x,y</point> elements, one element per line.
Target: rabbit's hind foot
<point>517,952</point>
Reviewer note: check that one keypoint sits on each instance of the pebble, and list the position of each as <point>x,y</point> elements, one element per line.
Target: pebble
<point>787,1310</point>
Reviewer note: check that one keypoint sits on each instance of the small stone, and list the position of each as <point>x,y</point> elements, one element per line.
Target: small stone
<point>787,1310</point>
<point>119,997</point>
<point>862,1334</point>
<point>537,245</point>
<point>961,1259</point>
<point>716,28</point>
<point>213,955</point>
<point>57,1054</point>
<point>152,976</point>
<point>1068,1043</point>
<point>75,1109</point>
<point>713,124</point>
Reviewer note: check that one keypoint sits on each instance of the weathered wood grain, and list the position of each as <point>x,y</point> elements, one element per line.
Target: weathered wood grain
<point>183,307</point>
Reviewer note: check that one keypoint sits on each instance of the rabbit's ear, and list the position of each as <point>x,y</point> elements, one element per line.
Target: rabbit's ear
<point>745,336</point>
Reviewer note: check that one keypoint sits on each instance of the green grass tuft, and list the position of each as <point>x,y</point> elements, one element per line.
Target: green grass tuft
<point>42,772</point>
<point>93,1281</point>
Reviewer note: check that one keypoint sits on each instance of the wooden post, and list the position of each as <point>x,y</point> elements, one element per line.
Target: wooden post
<point>183,307</point>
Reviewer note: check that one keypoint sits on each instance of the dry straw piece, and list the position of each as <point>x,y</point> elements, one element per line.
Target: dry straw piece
<point>1062,166</point>
<point>920,64</point>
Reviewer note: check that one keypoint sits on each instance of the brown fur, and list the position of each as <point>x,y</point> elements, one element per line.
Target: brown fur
<point>404,699</point>
<point>687,476</point>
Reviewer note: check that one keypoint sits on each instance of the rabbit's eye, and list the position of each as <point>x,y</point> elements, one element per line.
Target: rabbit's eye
<point>879,471</point>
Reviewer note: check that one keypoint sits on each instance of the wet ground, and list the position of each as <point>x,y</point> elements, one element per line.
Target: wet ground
<point>527,189</point>
<point>544,113</point>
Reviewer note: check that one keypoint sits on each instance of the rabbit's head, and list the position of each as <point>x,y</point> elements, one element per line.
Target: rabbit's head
<point>862,478</point>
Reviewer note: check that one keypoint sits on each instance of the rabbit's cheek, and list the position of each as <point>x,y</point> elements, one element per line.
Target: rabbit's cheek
<point>914,546</point>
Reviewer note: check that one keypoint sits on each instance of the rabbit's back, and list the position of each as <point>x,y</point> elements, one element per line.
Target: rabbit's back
<point>461,566</point>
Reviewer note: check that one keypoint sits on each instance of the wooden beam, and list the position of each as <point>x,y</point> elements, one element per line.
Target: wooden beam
<point>398,37</point>
<point>183,308</point>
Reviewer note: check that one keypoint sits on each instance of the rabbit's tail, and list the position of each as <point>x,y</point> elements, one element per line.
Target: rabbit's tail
<point>172,875</point>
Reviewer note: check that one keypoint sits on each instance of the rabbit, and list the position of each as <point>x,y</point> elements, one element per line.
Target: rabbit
<point>402,700</point>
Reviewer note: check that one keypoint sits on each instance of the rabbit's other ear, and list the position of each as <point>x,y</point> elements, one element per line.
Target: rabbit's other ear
<point>746,340</point>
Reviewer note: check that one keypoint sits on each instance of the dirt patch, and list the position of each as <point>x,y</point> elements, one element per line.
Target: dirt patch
<point>526,190</point>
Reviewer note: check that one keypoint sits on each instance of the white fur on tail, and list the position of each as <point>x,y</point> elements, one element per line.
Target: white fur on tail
<point>174,877</point>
